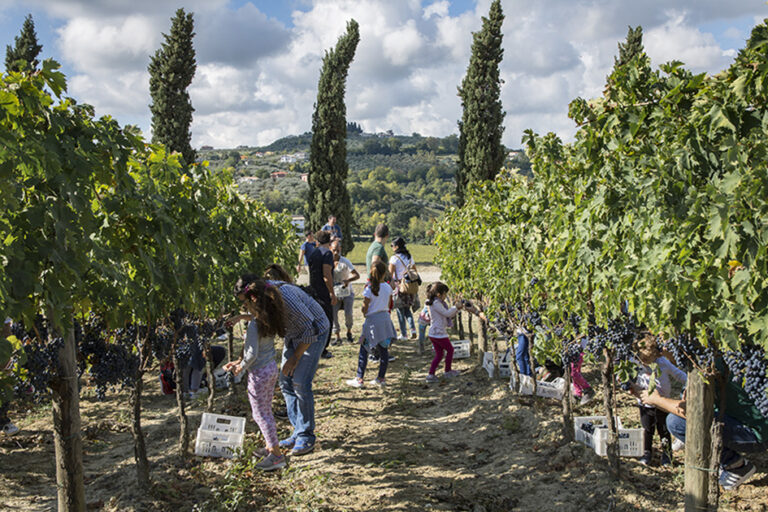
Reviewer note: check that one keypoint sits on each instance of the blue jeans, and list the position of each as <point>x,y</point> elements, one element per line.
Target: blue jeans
<point>362,361</point>
<point>297,390</point>
<point>404,314</point>
<point>737,438</point>
<point>521,354</point>
<point>422,336</point>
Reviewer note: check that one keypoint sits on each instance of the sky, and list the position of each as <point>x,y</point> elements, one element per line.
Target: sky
<point>259,61</point>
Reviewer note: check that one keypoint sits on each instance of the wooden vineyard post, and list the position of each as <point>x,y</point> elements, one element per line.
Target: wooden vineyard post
<point>612,448</point>
<point>567,406</point>
<point>66,430</point>
<point>531,363</point>
<point>460,318</point>
<point>230,351</point>
<point>139,446</point>
<point>183,420</point>
<point>482,342</point>
<point>699,412</point>
<point>209,375</point>
<point>470,333</point>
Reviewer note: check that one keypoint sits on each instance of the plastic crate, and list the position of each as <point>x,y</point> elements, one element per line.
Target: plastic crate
<point>220,378</point>
<point>630,439</point>
<point>223,424</point>
<point>488,364</point>
<point>460,349</point>
<point>505,365</point>
<point>544,389</point>
<point>217,444</point>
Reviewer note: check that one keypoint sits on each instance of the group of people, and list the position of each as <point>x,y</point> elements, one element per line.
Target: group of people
<point>745,430</point>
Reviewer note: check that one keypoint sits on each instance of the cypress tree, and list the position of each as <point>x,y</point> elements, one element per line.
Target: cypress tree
<point>23,55</point>
<point>171,70</point>
<point>328,193</point>
<point>481,154</point>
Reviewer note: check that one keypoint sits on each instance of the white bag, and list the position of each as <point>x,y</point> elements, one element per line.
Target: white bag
<point>342,291</point>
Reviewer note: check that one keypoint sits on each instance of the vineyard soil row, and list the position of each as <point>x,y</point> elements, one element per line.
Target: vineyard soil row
<point>465,444</point>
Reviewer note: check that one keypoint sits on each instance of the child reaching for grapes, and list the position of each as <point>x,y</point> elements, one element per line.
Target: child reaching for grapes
<point>651,418</point>
<point>378,329</point>
<point>265,321</point>
<point>441,317</point>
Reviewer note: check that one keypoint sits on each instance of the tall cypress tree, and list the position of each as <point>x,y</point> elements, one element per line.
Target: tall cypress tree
<point>481,154</point>
<point>170,72</point>
<point>23,55</point>
<point>328,152</point>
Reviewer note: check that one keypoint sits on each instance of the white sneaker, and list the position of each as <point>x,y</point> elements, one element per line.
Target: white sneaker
<point>733,477</point>
<point>451,374</point>
<point>431,378</point>
<point>401,338</point>
<point>379,383</point>
<point>355,383</point>
<point>677,445</point>
<point>10,429</point>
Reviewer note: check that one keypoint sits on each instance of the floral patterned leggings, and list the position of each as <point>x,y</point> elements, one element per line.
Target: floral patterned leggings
<point>261,391</point>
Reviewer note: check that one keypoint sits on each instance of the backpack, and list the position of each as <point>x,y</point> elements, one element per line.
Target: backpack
<point>410,282</point>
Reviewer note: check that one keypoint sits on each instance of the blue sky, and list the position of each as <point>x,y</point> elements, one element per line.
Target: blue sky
<point>258,61</point>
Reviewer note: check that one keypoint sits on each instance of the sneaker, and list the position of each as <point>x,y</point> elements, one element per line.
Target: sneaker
<point>413,335</point>
<point>261,452</point>
<point>302,447</point>
<point>349,337</point>
<point>645,460</point>
<point>355,383</point>
<point>392,358</point>
<point>451,374</point>
<point>379,383</point>
<point>401,338</point>
<point>10,429</point>
<point>337,341</point>
<point>326,355</point>
<point>373,358</point>
<point>587,397</point>
<point>665,460</point>
<point>677,445</point>
<point>431,378</point>
<point>281,412</point>
<point>271,462</point>
<point>288,443</point>
<point>731,478</point>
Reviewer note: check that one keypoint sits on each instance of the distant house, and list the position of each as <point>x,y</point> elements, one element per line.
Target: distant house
<point>293,158</point>
<point>304,177</point>
<point>278,174</point>
<point>258,154</point>
<point>247,179</point>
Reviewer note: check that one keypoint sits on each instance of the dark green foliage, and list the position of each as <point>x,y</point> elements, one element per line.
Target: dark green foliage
<point>633,46</point>
<point>481,154</point>
<point>170,72</point>
<point>23,55</point>
<point>354,128</point>
<point>328,152</point>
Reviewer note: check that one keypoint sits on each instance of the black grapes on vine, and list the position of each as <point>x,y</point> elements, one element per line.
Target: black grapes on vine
<point>750,368</point>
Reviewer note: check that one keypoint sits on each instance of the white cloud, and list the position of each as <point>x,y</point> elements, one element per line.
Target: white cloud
<point>257,77</point>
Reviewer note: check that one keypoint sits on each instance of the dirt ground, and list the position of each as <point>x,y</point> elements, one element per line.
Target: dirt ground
<point>462,444</point>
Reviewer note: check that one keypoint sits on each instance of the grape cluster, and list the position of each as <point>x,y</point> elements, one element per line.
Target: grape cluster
<point>571,352</point>
<point>108,357</point>
<point>618,335</point>
<point>750,368</point>
<point>687,351</point>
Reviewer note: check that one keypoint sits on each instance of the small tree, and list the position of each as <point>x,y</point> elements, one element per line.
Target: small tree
<point>170,72</point>
<point>481,154</point>
<point>23,55</point>
<point>328,193</point>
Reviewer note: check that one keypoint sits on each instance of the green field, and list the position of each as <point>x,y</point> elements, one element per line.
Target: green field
<point>422,254</point>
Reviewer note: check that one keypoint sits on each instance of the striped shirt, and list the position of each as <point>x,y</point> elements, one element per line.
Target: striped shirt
<point>305,320</point>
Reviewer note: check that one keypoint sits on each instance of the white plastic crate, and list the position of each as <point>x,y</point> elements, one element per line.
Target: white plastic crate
<point>545,389</point>
<point>221,423</point>
<point>630,439</point>
<point>505,365</point>
<point>460,349</point>
<point>220,376</point>
<point>217,444</point>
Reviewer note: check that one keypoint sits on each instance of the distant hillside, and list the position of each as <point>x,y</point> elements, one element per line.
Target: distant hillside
<point>405,180</point>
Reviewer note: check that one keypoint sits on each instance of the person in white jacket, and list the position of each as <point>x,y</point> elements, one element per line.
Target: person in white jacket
<point>442,318</point>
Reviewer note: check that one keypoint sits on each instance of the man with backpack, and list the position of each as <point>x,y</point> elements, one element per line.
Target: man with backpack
<point>405,280</point>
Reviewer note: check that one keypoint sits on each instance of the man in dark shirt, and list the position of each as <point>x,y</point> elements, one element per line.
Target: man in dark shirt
<point>321,278</point>
<point>333,228</point>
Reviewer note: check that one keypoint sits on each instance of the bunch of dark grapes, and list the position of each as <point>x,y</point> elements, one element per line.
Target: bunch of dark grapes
<point>575,321</point>
<point>687,351</point>
<point>161,340</point>
<point>41,368</point>
<point>750,368</point>
<point>571,351</point>
<point>619,335</point>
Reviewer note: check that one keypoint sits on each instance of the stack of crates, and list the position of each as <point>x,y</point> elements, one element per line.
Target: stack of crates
<point>219,435</point>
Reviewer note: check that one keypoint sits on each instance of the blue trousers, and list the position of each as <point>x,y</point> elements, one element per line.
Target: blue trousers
<point>362,360</point>
<point>521,354</point>
<point>405,315</point>
<point>297,389</point>
<point>737,438</point>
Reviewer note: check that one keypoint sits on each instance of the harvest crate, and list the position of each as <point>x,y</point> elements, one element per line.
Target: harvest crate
<point>546,389</point>
<point>505,365</point>
<point>630,439</point>
<point>222,423</point>
<point>217,444</point>
<point>460,349</point>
